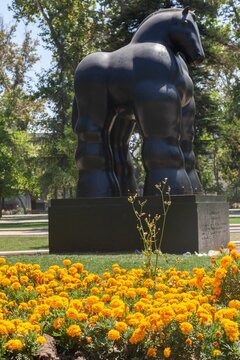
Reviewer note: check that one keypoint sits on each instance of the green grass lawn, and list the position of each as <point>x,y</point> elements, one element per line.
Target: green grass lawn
<point>10,243</point>
<point>21,225</point>
<point>100,263</point>
<point>234,220</point>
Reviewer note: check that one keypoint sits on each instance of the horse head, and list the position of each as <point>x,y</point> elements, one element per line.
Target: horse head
<point>175,28</point>
<point>184,36</point>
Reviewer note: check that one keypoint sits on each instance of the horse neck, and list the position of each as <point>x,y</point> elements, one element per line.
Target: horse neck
<point>155,32</point>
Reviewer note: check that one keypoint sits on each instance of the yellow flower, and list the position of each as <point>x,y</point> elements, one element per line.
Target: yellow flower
<point>67,262</point>
<point>231,329</point>
<point>121,326</point>
<point>72,313</point>
<point>5,282</point>
<point>88,339</point>
<point>2,261</point>
<point>200,336</point>
<point>188,342</point>
<point>96,308</point>
<point>3,330</point>
<point>41,339</point>
<point>167,352</point>
<point>220,273</point>
<point>74,331</point>
<point>231,245</point>
<point>15,344</point>
<point>82,316</point>
<point>23,279</point>
<point>16,286</point>
<point>113,335</point>
<point>226,261</point>
<point>58,323</point>
<point>137,336</point>
<point>234,304</point>
<point>218,334</point>
<point>152,352</point>
<point>216,352</point>
<point>186,328</point>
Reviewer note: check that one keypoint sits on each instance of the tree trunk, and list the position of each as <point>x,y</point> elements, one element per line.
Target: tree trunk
<point>23,206</point>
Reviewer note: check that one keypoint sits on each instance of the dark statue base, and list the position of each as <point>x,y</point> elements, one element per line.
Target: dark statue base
<point>194,223</point>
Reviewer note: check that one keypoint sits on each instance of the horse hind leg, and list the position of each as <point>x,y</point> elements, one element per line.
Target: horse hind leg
<point>93,153</point>
<point>158,111</point>
<point>186,143</point>
<point>120,136</point>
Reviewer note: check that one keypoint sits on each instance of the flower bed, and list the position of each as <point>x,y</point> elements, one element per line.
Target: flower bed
<point>122,314</point>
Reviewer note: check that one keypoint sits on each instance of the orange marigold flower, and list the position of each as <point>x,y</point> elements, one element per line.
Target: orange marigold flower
<point>14,344</point>
<point>137,336</point>
<point>41,340</point>
<point>16,286</point>
<point>5,282</point>
<point>3,330</point>
<point>72,313</point>
<point>88,339</point>
<point>220,273</point>
<point>113,335</point>
<point>231,245</point>
<point>188,342</point>
<point>234,269</point>
<point>234,254</point>
<point>23,279</point>
<point>235,304</point>
<point>58,323</point>
<point>216,352</point>
<point>167,352</point>
<point>231,329</point>
<point>67,262</point>
<point>74,331</point>
<point>217,291</point>
<point>121,326</point>
<point>200,336</point>
<point>186,328</point>
<point>218,334</point>
<point>152,352</point>
<point>226,261</point>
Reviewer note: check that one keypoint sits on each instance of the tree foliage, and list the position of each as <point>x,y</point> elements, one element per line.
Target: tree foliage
<point>68,29</point>
<point>18,110</point>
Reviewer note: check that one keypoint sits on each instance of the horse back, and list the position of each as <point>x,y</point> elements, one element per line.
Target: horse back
<point>92,69</point>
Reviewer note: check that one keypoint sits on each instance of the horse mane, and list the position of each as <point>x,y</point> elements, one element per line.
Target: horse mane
<point>159,11</point>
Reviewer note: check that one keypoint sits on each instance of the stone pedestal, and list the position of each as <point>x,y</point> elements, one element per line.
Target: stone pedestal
<point>194,223</point>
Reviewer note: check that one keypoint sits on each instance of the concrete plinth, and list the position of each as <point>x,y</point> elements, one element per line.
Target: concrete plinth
<point>194,223</point>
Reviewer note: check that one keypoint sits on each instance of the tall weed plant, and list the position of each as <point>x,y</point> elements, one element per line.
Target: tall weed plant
<point>151,227</point>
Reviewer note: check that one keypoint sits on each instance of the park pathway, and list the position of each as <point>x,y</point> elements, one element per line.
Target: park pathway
<point>19,221</point>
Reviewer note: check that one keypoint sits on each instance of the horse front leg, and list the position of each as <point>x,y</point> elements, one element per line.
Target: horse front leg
<point>186,143</point>
<point>123,166</point>
<point>158,110</point>
<point>93,154</point>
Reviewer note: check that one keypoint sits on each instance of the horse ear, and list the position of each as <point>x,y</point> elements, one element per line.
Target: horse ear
<point>186,10</point>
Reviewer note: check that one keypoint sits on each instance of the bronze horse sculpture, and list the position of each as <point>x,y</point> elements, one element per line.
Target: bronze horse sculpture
<point>145,82</point>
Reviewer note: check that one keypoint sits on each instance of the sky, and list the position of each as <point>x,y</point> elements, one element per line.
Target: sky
<point>45,55</point>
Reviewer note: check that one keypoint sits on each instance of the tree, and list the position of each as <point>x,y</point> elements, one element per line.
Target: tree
<point>68,29</point>
<point>18,109</point>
